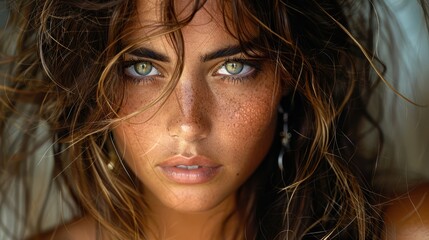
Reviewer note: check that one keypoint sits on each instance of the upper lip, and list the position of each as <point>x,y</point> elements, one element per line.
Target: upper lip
<point>197,160</point>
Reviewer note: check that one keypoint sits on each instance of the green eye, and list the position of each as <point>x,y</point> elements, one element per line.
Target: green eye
<point>234,67</point>
<point>143,68</point>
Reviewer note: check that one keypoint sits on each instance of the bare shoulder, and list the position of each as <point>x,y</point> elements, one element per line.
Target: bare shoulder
<point>81,229</point>
<point>407,217</point>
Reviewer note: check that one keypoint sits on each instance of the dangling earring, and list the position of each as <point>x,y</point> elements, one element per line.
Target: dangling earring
<point>111,164</point>
<point>285,136</point>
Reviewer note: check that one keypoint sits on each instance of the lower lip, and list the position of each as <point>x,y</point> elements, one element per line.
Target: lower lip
<point>190,176</point>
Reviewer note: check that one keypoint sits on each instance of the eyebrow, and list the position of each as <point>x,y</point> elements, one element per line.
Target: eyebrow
<point>223,52</point>
<point>147,53</point>
<point>220,53</point>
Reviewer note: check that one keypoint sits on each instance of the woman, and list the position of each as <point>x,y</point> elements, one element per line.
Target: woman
<point>196,119</point>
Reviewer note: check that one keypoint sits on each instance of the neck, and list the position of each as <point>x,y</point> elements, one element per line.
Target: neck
<point>221,222</point>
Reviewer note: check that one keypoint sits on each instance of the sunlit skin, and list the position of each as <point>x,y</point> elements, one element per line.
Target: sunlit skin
<point>191,149</point>
<point>222,109</point>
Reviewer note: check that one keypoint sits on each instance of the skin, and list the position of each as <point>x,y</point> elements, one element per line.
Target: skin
<point>407,217</point>
<point>229,120</point>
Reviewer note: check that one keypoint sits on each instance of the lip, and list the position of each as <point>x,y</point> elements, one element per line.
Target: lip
<point>206,170</point>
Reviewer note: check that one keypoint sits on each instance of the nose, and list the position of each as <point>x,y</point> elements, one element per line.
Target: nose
<point>189,118</point>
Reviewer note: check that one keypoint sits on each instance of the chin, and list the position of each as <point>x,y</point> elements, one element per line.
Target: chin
<point>194,205</point>
<point>196,201</point>
<point>193,208</point>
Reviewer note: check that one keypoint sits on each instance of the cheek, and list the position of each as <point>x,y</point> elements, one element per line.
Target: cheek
<point>137,135</point>
<point>139,108</point>
<point>138,98</point>
<point>253,117</point>
<point>256,111</point>
<point>251,123</point>
<point>129,139</point>
<point>253,126</point>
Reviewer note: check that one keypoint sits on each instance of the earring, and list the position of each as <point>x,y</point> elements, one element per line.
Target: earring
<point>285,136</point>
<point>111,164</point>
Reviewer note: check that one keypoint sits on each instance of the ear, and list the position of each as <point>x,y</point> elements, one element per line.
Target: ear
<point>407,217</point>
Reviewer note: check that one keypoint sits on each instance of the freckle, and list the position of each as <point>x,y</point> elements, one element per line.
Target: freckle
<point>237,174</point>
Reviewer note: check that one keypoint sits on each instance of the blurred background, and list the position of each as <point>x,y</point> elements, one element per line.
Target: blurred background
<point>407,126</point>
<point>3,13</point>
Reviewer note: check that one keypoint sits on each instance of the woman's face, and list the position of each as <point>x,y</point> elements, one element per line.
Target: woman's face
<point>193,150</point>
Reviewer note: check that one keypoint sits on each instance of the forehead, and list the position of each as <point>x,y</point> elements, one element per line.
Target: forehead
<point>151,15</point>
<point>150,20</point>
<point>153,10</point>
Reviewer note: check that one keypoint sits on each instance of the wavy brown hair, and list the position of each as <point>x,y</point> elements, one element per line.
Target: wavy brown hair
<point>61,72</point>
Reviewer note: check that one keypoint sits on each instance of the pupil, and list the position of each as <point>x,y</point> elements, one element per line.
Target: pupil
<point>143,68</point>
<point>234,67</point>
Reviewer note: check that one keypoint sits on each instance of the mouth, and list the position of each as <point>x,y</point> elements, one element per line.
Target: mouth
<point>192,167</point>
<point>194,170</point>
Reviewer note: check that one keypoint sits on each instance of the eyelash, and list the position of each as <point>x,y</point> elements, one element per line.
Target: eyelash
<point>254,64</point>
<point>139,80</point>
